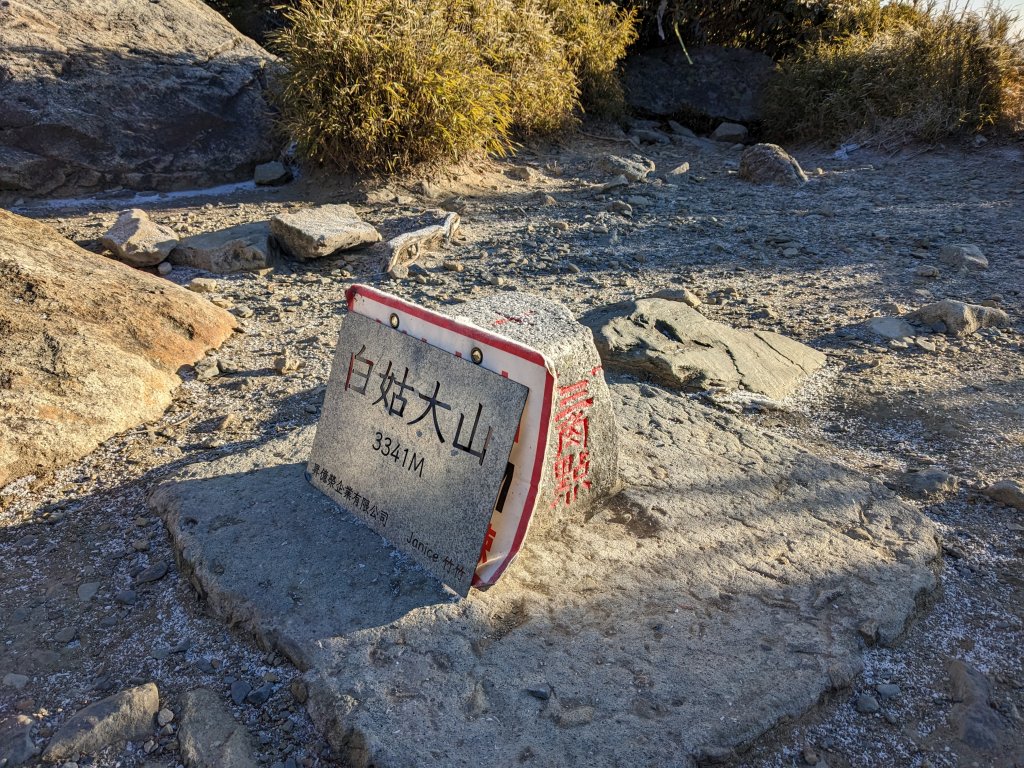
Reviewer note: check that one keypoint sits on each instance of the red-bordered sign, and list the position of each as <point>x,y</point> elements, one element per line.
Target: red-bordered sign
<point>517,496</point>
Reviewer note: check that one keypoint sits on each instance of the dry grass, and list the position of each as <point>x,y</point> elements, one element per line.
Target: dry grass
<point>920,72</point>
<point>383,85</point>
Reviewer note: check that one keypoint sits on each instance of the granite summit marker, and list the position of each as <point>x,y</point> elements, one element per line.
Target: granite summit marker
<point>416,442</point>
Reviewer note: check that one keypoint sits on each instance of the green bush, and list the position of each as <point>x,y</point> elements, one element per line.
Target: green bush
<point>381,85</point>
<point>918,73</point>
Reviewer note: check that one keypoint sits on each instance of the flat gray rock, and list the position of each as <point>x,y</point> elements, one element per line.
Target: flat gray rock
<point>314,233</point>
<point>674,345</point>
<point>718,596</point>
<point>209,736</point>
<point>891,328</point>
<point>124,716</point>
<point>240,248</point>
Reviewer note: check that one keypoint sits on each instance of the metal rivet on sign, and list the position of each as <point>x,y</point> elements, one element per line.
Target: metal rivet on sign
<point>476,355</point>
<point>394,320</point>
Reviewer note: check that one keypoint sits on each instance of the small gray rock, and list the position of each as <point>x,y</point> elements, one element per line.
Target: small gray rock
<point>259,696</point>
<point>241,248</point>
<point>15,681</point>
<point>633,168</point>
<point>730,133</point>
<point>125,716</point>
<point>928,483</point>
<point>965,256</point>
<point>271,174</point>
<point>154,572</point>
<point>891,328</point>
<point>867,704</point>
<point>88,590</point>
<point>164,716</point>
<point>887,690</point>
<point>1009,492</point>
<point>239,690</point>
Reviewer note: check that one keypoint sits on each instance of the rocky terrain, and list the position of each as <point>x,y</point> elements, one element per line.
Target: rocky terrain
<point>93,603</point>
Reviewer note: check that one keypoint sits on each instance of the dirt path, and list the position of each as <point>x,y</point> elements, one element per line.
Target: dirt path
<point>812,263</point>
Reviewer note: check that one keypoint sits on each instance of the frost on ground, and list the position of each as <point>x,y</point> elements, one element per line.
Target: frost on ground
<point>861,239</point>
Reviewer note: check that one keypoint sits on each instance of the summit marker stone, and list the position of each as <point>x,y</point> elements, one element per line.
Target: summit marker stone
<point>416,441</point>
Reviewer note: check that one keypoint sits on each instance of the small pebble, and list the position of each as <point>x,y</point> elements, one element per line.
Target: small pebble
<point>867,704</point>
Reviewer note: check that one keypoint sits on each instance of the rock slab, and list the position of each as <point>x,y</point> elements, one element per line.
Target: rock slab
<point>137,240</point>
<point>88,346</point>
<point>125,716</point>
<point>240,248</point>
<point>314,233</point>
<point>128,93</point>
<point>208,735</point>
<point>674,345</point>
<point>717,596</point>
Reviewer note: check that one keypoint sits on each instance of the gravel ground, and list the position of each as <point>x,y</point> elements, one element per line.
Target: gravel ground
<point>813,262</point>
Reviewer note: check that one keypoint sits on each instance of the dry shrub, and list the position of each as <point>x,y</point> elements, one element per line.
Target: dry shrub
<point>920,73</point>
<point>517,41</point>
<point>382,85</point>
<point>596,36</point>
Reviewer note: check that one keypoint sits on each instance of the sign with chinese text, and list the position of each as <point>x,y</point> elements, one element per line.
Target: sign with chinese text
<point>523,484</point>
<point>416,442</point>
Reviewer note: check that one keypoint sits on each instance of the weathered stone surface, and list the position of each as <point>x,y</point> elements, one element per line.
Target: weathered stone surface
<point>551,329</point>
<point>959,318</point>
<point>732,133</point>
<point>437,499</point>
<point>633,168</point>
<point>138,240</point>
<point>208,735</point>
<point>770,164</point>
<point>88,346</point>
<point>128,93</point>
<point>16,745</point>
<point>966,256</point>
<point>1009,492</point>
<point>125,716</point>
<point>317,232</point>
<point>722,83</point>
<point>736,568</point>
<point>235,249</point>
<point>675,345</point>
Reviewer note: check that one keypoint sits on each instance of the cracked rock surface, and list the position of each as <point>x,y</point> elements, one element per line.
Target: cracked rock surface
<point>675,345</point>
<point>723,592</point>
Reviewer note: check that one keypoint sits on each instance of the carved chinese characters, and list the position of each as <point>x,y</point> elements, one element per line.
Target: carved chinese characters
<point>416,442</point>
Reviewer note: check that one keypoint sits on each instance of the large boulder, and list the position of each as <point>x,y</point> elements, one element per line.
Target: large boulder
<point>727,589</point>
<point>88,346</point>
<point>721,84</point>
<point>134,93</point>
<point>675,345</point>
